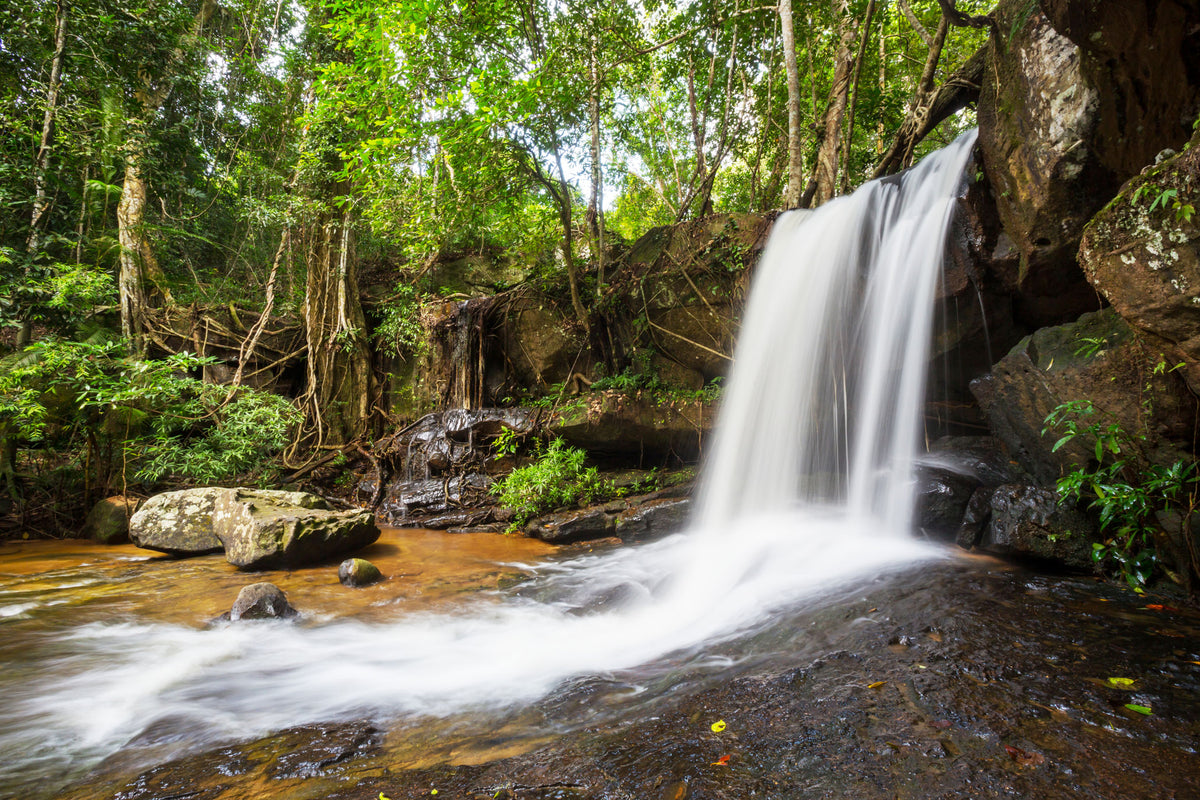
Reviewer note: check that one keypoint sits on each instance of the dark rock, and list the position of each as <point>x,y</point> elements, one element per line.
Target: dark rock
<point>541,345</point>
<point>984,458</point>
<point>1038,117</point>
<point>1147,262</point>
<point>942,497</point>
<point>1056,365</point>
<point>436,503</point>
<point>178,523</point>
<point>108,521</point>
<point>576,526</point>
<point>653,519</point>
<point>358,572</point>
<point>261,601</point>
<point>975,519</point>
<point>639,425</point>
<point>1031,522</point>
<point>267,529</point>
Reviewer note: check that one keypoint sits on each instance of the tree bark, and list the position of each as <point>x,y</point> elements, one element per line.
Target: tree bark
<point>41,199</point>
<point>957,92</point>
<point>141,281</point>
<point>826,168</point>
<point>795,170</point>
<point>596,205</point>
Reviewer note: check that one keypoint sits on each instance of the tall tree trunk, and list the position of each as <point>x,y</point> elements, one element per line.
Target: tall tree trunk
<point>563,196</point>
<point>596,204</point>
<point>41,162</point>
<point>826,169</point>
<point>791,198</point>
<point>848,149</point>
<point>337,401</point>
<point>141,283</point>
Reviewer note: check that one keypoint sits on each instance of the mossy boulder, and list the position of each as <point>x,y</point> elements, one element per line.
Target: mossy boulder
<point>1142,252</point>
<point>270,529</point>
<point>108,521</point>
<point>641,424</point>
<point>1099,359</point>
<point>177,523</point>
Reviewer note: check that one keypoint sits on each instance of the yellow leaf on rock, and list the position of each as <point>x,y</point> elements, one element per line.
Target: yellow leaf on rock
<point>1121,683</point>
<point>876,684</point>
<point>718,726</point>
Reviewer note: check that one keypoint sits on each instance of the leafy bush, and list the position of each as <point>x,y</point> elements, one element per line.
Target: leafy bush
<point>556,478</point>
<point>1128,492</point>
<point>401,331</point>
<point>148,416</point>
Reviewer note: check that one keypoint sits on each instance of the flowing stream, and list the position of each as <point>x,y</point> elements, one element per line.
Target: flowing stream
<point>809,486</point>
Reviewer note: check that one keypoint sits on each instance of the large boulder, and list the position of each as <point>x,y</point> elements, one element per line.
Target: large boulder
<point>1038,115</point>
<point>271,529</point>
<point>1142,252</point>
<point>108,521</point>
<point>1029,522</point>
<point>1095,359</point>
<point>178,523</point>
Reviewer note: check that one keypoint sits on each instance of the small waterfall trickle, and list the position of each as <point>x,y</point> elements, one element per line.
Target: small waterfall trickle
<point>824,403</point>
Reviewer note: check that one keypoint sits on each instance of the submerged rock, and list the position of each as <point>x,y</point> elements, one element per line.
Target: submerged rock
<point>261,601</point>
<point>270,529</point>
<point>108,521</point>
<point>358,572</point>
<point>178,523</point>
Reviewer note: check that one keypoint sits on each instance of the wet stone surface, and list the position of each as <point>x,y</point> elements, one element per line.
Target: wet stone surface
<point>958,679</point>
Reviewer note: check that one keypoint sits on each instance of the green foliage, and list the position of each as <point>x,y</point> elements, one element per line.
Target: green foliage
<point>400,330</point>
<point>640,374</point>
<point>151,415</point>
<point>1127,492</point>
<point>557,477</point>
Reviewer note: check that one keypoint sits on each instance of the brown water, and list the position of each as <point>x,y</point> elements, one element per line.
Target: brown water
<point>957,678</point>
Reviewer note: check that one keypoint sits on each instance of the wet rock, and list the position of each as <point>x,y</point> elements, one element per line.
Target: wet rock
<point>261,601</point>
<point>1038,117</point>
<point>656,518</point>
<point>108,521</point>
<point>1094,359</point>
<point>437,503</point>
<point>1031,522</point>
<point>567,527</point>
<point>942,497</point>
<point>637,425</point>
<point>358,572</point>
<point>1147,262</point>
<point>178,523</point>
<point>263,529</point>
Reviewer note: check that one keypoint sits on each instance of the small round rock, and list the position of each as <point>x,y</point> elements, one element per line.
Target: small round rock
<point>261,601</point>
<point>358,572</point>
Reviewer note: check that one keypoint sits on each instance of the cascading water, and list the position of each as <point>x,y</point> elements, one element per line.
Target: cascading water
<point>812,469</point>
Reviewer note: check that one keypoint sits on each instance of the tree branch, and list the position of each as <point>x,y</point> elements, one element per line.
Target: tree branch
<point>961,20</point>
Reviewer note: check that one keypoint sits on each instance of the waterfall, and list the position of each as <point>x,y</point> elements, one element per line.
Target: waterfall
<point>812,468</point>
<point>824,402</point>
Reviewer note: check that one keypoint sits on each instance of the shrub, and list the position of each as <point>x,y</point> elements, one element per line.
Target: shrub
<point>556,478</point>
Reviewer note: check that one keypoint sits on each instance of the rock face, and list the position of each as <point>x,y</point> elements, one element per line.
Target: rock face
<point>271,529</point>
<point>1142,252</point>
<point>358,572</point>
<point>178,523</point>
<point>108,521</point>
<point>614,422</point>
<point>261,601</point>
<point>1038,116</point>
<point>1094,359</point>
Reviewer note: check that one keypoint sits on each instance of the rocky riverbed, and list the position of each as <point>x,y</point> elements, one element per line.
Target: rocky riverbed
<point>960,677</point>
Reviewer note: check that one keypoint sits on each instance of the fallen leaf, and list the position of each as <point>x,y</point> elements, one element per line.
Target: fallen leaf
<point>873,610</point>
<point>876,684</point>
<point>383,796</point>
<point>718,726</point>
<point>1023,757</point>
<point>723,761</point>
<point>1159,607</point>
<point>1144,710</point>
<point>941,723</point>
<point>1121,683</point>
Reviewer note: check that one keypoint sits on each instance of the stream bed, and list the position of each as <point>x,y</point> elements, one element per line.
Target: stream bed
<point>952,677</point>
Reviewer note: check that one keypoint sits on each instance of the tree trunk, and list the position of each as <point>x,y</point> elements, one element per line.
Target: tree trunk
<point>596,205</point>
<point>41,198</point>
<point>791,198</point>
<point>858,62</point>
<point>141,283</point>
<point>826,168</point>
<point>337,402</point>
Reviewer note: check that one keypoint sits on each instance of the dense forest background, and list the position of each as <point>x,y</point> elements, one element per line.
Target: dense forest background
<point>283,177</point>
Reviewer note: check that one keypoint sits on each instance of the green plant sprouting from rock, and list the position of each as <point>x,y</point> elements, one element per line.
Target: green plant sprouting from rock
<point>556,478</point>
<point>1131,495</point>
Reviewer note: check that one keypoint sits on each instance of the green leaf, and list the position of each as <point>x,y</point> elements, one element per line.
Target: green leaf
<point>1144,710</point>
